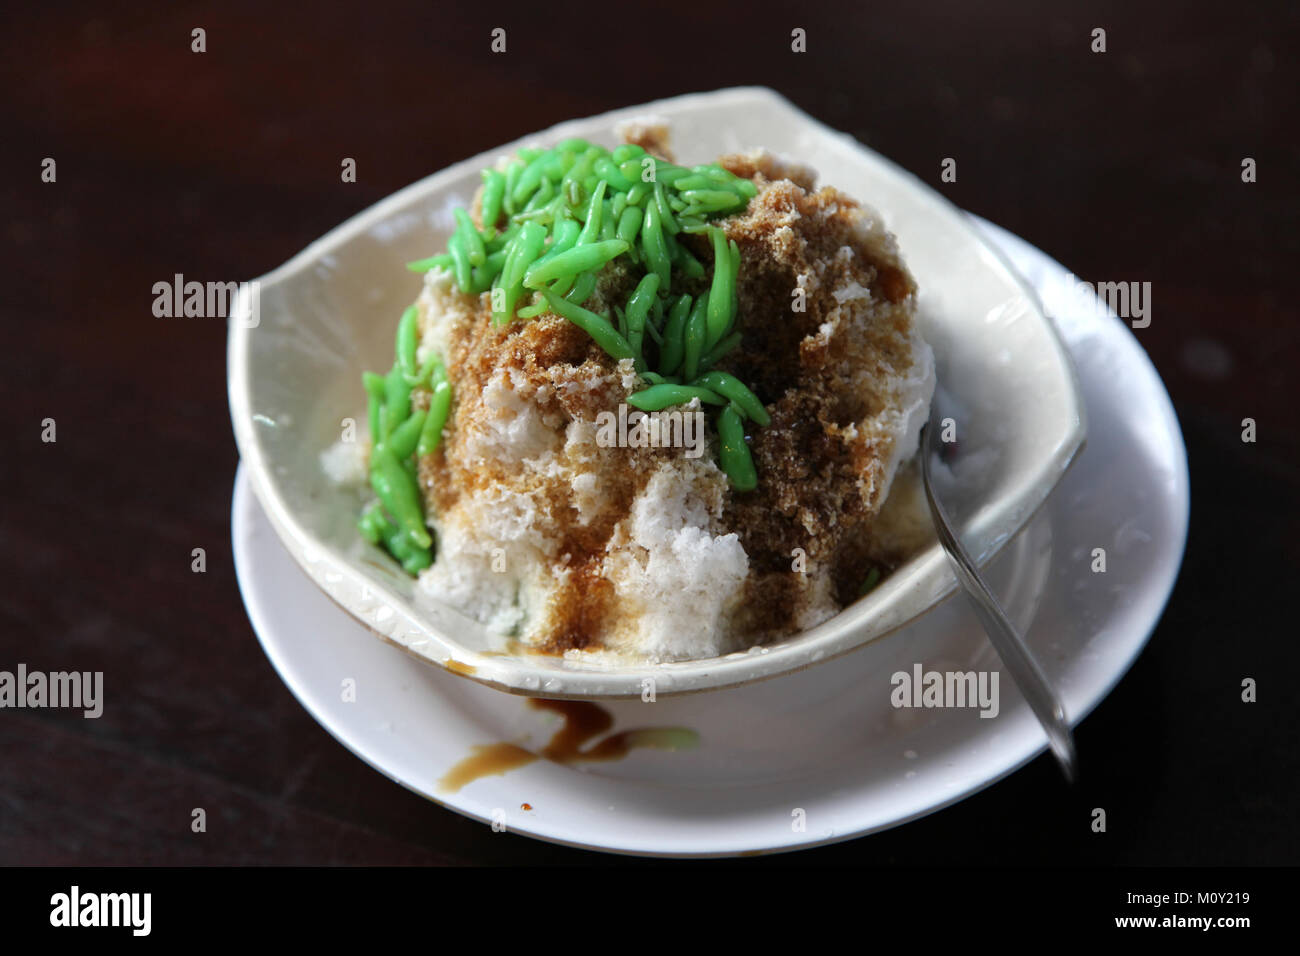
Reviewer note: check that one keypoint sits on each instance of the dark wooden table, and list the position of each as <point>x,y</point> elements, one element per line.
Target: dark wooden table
<point>1124,165</point>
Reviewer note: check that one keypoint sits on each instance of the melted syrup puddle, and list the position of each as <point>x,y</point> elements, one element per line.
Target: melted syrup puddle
<point>583,720</point>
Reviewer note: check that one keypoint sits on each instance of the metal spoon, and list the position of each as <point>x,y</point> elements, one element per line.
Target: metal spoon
<point>1011,647</point>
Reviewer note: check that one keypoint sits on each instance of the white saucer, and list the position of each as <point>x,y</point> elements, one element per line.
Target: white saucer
<point>822,748</point>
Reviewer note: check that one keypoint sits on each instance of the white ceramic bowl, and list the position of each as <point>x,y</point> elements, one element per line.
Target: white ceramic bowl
<point>331,312</point>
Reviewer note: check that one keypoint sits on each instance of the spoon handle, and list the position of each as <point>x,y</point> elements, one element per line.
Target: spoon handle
<point>1008,643</point>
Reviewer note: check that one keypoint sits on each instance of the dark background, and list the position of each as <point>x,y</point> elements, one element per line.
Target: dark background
<point>220,166</point>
